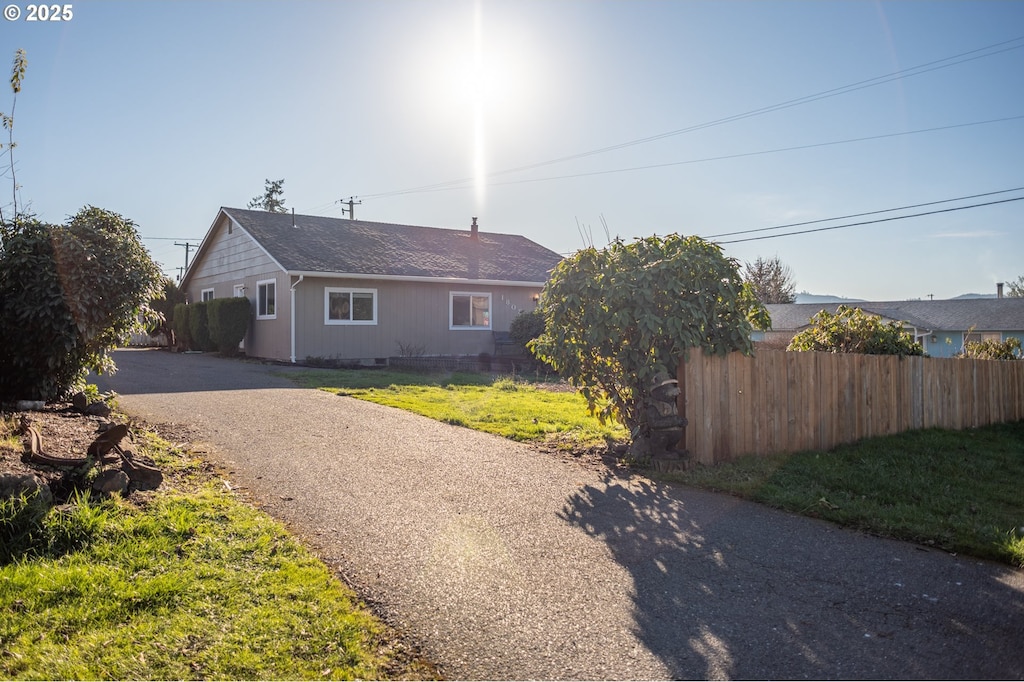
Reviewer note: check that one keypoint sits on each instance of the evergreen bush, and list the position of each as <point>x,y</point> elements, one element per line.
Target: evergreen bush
<point>199,327</point>
<point>228,321</point>
<point>182,328</point>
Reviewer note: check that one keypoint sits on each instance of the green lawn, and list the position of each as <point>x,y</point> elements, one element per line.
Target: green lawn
<point>192,584</point>
<point>960,491</point>
<point>513,408</point>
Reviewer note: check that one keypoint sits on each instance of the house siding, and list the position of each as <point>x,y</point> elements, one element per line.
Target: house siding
<point>409,314</point>
<point>233,258</point>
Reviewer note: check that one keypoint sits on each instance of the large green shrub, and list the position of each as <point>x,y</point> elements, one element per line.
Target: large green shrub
<point>526,326</point>
<point>851,330</point>
<point>228,322</point>
<point>199,326</point>
<point>617,318</point>
<point>181,326</point>
<point>69,294</point>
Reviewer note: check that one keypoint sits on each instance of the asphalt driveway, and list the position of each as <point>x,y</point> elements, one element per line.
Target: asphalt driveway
<point>502,562</point>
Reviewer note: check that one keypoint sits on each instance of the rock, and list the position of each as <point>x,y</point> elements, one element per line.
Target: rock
<point>12,485</point>
<point>142,476</point>
<point>111,481</point>
<point>98,409</point>
<point>24,405</point>
<point>80,401</point>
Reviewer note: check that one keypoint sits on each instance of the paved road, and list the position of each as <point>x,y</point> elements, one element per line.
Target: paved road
<point>505,563</point>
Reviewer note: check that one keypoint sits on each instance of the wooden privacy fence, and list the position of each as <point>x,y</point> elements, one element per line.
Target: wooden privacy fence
<point>778,401</point>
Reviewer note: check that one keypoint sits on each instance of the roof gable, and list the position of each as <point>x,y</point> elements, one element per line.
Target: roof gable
<point>332,246</point>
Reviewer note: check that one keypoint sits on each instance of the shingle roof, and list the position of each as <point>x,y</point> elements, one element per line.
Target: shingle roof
<point>984,314</point>
<point>336,245</point>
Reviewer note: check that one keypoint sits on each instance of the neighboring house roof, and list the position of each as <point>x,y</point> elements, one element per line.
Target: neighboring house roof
<point>338,246</point>
<point>983,314</point>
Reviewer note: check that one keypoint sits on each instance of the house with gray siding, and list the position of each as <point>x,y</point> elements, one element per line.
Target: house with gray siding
<point>360,291</point>
<point>942,327</point>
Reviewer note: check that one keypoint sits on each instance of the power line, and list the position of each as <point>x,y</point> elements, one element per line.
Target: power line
<point>740,155</point>
<point>871,222</point>
<point>927,67</point>
<point>860,215</point>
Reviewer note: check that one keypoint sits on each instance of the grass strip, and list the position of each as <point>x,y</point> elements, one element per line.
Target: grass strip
<point>506,406</point>
<point>959,491</point>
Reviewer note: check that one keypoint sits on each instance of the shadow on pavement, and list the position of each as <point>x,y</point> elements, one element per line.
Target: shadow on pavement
<point>156,370</point>
<point>725,589</point>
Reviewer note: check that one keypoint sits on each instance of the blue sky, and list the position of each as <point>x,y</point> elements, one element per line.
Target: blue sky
<point>165,111</point>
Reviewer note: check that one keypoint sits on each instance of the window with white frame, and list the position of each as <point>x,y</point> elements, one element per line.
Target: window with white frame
<point>469,310</point>
<point>977,337</point>
<point>206,295</point>
<point>266,299</point>
<point>350,306</point>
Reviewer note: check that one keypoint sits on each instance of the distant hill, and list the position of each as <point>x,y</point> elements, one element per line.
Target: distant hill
<point>804,297</point>
<point>957,298</point>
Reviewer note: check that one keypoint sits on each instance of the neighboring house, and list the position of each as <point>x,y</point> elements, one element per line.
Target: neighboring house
<point>942,327</point>
<point>352,290</point>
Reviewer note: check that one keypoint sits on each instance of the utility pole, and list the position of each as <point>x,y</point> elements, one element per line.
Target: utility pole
<point>351,207</point>
<point>181,271</point>
<point>188,247</point>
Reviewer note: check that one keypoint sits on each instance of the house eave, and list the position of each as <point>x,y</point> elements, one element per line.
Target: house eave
<point>417,278</point>
<point>204,246</point>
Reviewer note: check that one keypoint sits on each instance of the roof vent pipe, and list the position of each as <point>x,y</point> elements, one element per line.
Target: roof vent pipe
<point>293,217</point>
<point>474,230</point>
<point>999,289</point>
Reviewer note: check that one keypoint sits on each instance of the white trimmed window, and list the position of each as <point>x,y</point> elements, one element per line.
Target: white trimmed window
<point>206,295</point>
<point>469,310</point>
<point>350,306</point>
<point>977,337</point>
<point>266,299</point>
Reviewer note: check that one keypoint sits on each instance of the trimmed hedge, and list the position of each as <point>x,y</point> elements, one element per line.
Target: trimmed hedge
<point>180,325</point>
<point>199,326</point>
<point>228,320</point>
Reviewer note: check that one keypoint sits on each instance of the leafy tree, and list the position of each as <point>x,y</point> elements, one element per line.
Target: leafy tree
<point>1016,288</point>
<point>272,199</point>
<point>771,279</point>
<point>617,318</point>
<point>993,350</point>
<point>851,330</point>
<point>228,322</point>
<point>69,294</point>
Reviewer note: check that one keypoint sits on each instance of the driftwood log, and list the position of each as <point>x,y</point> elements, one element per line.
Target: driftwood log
<point>105,449</point>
